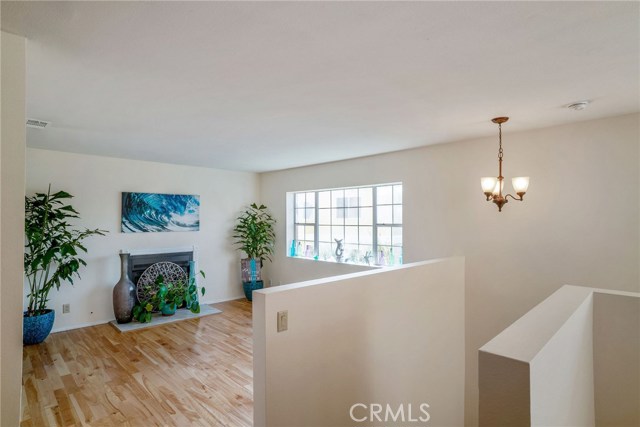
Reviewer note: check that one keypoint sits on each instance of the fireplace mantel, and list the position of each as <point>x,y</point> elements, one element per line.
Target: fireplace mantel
<point>148,251</point>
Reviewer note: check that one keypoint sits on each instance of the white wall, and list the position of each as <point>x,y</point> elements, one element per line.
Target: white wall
<point>97,183</point>
<point>579,222</point>
<point>389,336</point>
<point>12,182</point>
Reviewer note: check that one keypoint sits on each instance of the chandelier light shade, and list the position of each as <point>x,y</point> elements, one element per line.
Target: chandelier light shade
<point>493,187</point>
<point>520,184</point>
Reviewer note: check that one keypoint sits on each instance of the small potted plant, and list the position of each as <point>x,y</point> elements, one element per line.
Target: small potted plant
<point>168,298</point>
<point>255,236</point>
<point>172,295</point>
<point>51,257</point>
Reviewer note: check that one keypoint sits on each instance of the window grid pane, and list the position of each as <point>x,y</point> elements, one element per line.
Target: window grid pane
<point>324,198</point>
<point>311,199</point>
<point>324,233</point>
<point>385,195</point>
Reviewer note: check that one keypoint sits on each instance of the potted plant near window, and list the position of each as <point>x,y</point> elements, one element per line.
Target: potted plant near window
<point>255,236</point>
<point>51,256</point>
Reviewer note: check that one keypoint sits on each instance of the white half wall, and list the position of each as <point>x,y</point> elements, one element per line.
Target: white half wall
<point>97,184</point>
<point>562,374</point>
<point>579,222</point>
<point>531,371</point>
<point>12,183</point>
<point>573,360</point>
<point>616,359</point>
<point>390,337</point>
<point>293,270</point>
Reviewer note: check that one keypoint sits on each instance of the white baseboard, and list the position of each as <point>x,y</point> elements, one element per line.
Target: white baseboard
<point>223,300</point>
<point>82,325</point>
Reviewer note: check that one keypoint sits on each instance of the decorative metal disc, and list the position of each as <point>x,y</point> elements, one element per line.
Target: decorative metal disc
<point>171,272</point>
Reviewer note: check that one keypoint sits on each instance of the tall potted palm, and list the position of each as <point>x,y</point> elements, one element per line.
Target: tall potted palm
<point>255,236</point>
<point>51,256</point>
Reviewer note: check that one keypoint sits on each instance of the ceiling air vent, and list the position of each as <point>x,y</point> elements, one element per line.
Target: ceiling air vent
<point>37,124</point>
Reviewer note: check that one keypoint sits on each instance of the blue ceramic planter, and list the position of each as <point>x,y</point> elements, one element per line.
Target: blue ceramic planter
<point>249,287</point>
<point>168,309</point>
<point>36,329</point>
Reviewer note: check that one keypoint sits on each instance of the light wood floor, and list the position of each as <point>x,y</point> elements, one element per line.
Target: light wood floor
<point>192,373</point>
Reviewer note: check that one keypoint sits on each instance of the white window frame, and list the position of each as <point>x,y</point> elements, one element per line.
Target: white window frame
<point>295,222</point>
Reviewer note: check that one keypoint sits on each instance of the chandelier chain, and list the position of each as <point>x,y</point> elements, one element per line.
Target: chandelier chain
<point>500,139</point>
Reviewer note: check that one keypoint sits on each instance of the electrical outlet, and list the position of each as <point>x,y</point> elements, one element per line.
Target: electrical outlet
<point>283,321</point>
<point>66,308</point>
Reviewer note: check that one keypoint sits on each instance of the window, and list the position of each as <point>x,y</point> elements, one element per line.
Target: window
<point>367,220</point>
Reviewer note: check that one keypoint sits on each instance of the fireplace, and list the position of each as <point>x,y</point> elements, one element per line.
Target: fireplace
<point>139,261</point>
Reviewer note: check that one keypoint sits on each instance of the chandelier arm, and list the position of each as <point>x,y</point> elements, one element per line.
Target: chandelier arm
<point>514,198</point>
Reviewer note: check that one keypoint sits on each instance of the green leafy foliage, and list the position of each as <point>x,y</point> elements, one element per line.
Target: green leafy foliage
<point>169,294</point>
<point>52,245</point>
<point>254,232</point>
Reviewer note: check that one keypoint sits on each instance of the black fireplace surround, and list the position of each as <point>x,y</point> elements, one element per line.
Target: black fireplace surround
<point>139,263</point>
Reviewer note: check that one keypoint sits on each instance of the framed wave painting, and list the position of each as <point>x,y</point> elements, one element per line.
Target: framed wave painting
<point>152,212</point>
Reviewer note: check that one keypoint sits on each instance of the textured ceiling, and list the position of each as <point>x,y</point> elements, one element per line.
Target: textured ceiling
<point>263,86</point>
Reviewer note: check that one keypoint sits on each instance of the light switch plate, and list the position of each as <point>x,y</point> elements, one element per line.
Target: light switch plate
<point>283,320</point>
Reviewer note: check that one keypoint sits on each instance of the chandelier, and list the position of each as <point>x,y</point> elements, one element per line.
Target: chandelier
<point>492,187</point>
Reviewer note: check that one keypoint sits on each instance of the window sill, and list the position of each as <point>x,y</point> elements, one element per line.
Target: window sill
<point>333,261</point>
